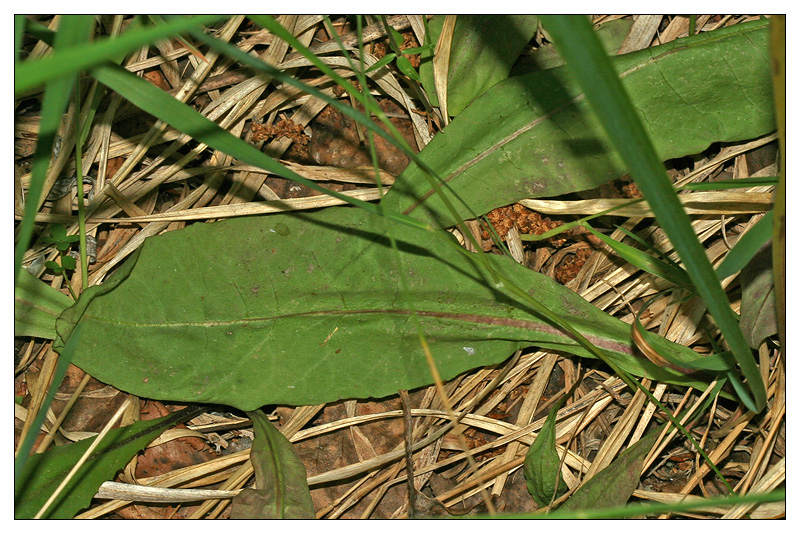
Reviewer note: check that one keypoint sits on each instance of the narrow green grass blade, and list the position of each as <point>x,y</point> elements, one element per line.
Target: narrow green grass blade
<point>369,104</point>
<point>273,26</point>
<point>73,31</point>
<point>31,74</point>
<point>738,183</point>
<point>590,65</point>
<point>643,260</point>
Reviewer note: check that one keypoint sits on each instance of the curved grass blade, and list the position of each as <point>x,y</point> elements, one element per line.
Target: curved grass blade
<point>31,74</point>
<point>644,261</point>
<point>592,69</point>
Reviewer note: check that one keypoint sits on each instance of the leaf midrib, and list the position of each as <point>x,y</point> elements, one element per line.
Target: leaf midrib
<point>489,320</point>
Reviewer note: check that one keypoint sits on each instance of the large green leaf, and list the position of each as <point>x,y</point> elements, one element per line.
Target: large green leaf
<point>534,135</point>
<point>307,308</point>
<point>281,490</point>
<point>44,472</point>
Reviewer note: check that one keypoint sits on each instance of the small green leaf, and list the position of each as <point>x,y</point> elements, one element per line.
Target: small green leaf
<point>68,263</point>
<point>281,490</point>
<point>542,464</point>
<point>759,317</point>
<point>416,50</point>
<point>404,65</point>
<point>397,37</point>
<point>614,485</point>
<point>58,236</point>
<point>37,306</point>
<point>54,266</point>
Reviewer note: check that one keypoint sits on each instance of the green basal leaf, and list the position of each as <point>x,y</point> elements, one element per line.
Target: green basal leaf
<point>759,319</point>
<point>542,464</point>
<point>614,485</point>
<point>281,490</point>
<point>309,310</point>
